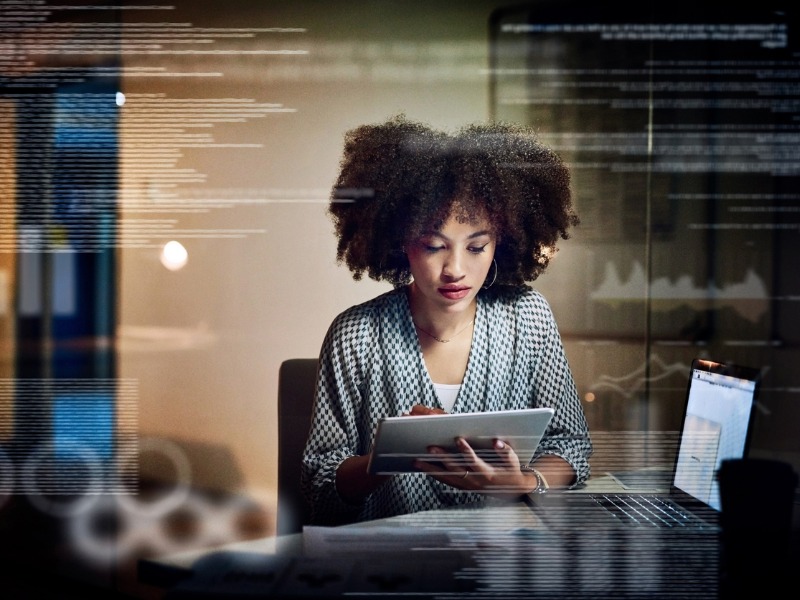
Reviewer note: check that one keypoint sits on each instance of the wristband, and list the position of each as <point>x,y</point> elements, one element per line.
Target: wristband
<point>541,483</point>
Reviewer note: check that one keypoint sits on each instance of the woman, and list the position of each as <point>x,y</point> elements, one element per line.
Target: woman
<point>457,223</point>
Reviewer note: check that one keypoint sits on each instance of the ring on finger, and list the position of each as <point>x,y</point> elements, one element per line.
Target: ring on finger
<point>466,472</point>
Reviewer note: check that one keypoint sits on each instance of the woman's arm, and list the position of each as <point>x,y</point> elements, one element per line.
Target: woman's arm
<point>353,483</point>
<point>352,480</point>
<point>334,438</point>
<point>557,472</point>
<point>567,437</point>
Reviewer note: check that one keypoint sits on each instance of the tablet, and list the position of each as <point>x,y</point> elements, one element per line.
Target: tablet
<point>401,440</point>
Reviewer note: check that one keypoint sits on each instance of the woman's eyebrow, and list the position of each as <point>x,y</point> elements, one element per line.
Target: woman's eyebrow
<point>471,236</point>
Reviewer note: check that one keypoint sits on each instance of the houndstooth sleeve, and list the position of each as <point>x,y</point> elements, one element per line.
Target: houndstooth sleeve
<point>334,434</point>
<point>553,385</point>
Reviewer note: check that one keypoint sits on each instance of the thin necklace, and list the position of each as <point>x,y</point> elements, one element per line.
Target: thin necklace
<point>442,340</point>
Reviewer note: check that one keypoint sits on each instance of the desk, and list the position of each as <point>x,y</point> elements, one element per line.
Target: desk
<point>501,550</point>
<point>167,570</point>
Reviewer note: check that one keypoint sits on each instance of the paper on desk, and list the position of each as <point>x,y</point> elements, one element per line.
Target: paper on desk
<point>443,529</point>
<point>320,542</point>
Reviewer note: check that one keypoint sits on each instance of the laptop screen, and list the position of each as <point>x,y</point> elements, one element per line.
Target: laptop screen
<point>716,426</point>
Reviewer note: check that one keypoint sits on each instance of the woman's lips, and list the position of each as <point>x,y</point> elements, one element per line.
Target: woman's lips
<point>454,293</point>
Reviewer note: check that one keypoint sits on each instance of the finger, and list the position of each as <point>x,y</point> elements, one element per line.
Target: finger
<point>433,461</point>
<point>452,461</point>
<point>463,479</point>
<point>420,410</point>
<point>505,454</point>
<point>468,456</point>
<point>430,467</point>
<point>435,467</point>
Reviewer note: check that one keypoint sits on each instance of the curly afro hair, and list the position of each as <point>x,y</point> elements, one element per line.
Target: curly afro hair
<point>401,178</point>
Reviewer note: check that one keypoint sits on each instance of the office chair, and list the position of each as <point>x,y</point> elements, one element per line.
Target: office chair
<point>296,384</point>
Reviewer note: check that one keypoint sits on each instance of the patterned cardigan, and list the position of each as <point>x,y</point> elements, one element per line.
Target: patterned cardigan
<point>371,366</point>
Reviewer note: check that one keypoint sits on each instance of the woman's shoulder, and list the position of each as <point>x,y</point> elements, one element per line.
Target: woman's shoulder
<point>522,308</point>
<point>518,298</point>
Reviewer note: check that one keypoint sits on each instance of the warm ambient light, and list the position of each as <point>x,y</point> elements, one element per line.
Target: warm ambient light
<point>589,397</point>
<point>174,256</point>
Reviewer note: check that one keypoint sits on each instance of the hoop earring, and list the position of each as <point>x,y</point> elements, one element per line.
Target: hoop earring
<point>486,287</point>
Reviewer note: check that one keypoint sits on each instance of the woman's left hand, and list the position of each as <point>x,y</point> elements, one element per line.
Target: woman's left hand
<point>495,473</point>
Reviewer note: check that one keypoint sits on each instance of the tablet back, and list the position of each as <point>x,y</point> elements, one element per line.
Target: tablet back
<point>401,440</point>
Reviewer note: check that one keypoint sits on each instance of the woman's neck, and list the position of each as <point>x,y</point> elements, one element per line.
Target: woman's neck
<point>437,323</point>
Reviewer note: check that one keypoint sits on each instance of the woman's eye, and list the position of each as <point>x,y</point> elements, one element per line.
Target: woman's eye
<point>478,249</point>
<point>433,248</point>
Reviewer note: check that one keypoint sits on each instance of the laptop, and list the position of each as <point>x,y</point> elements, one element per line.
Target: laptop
<point>718,415</point>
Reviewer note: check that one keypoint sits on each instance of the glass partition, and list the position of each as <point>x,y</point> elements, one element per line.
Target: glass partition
<point>680,126</point>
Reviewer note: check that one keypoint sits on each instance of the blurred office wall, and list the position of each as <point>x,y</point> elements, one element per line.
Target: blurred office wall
<point>230,150</point>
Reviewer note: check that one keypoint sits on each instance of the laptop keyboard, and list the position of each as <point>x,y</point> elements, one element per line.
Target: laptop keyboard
<point>648,511</point>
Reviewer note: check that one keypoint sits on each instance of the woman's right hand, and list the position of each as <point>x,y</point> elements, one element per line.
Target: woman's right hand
<point>353,482</point>
<point>418,410</point>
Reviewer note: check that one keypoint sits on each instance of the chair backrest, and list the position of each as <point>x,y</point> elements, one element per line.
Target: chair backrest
<point>296,384</point>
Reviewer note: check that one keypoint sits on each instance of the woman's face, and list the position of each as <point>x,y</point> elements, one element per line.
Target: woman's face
<point>449,265</point>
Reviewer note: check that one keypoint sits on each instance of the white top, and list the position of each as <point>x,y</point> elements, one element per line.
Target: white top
<point>447,393</point>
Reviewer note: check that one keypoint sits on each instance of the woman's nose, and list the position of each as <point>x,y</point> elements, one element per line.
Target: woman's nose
<point>453,267</point>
